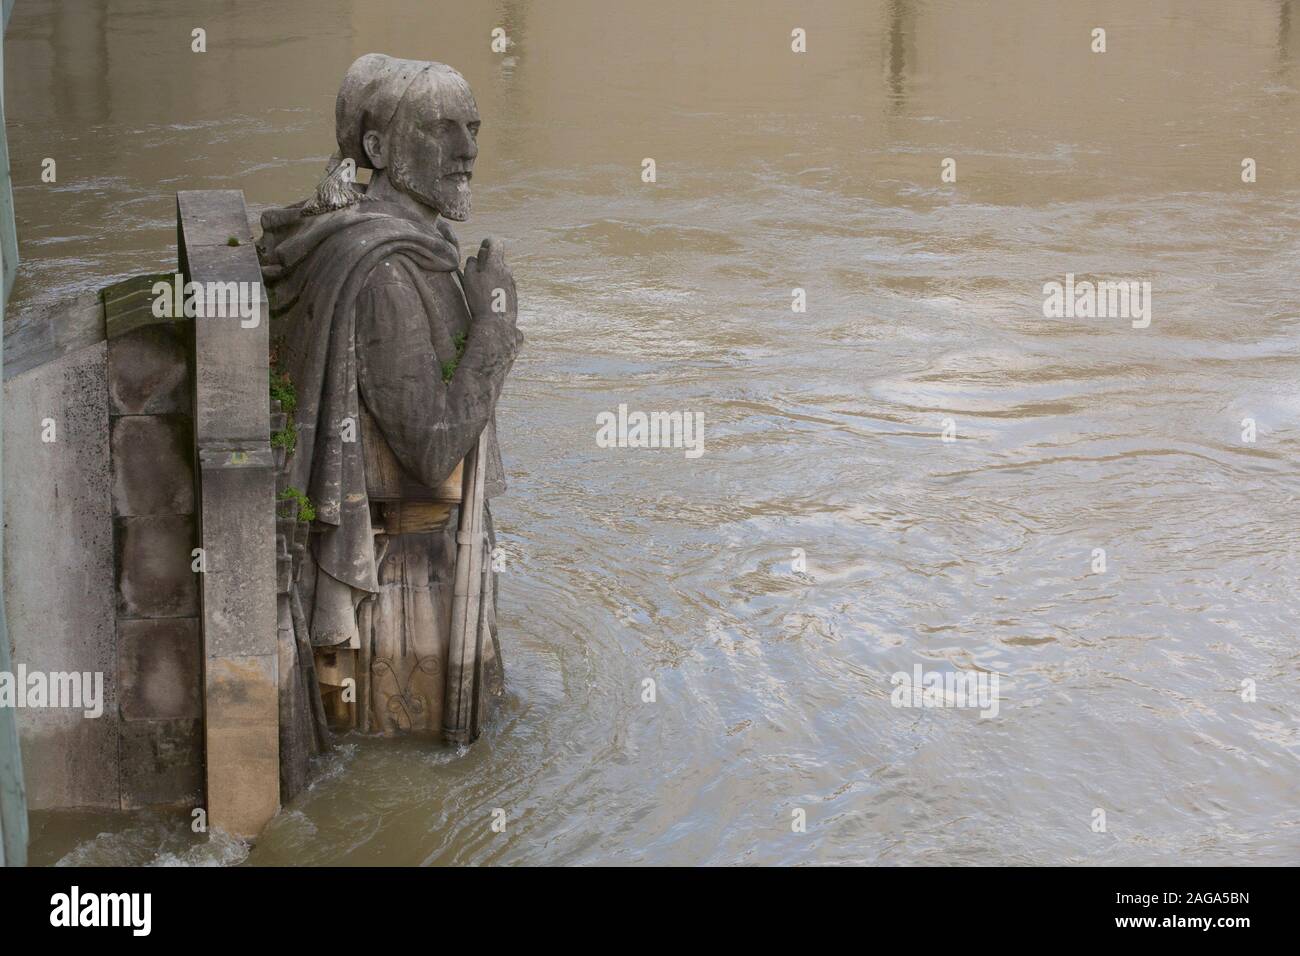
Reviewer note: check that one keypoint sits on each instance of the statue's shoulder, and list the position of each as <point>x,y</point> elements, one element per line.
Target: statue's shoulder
<point>327,249</point>
<point>394,271</point>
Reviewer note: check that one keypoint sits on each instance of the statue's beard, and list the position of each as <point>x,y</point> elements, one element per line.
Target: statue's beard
<point>450,197</point>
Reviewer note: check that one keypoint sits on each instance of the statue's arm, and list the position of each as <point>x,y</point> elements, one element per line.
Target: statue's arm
<point>429,424</point>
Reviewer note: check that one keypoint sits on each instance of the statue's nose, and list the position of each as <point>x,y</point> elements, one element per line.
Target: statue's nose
<point>469,148</point>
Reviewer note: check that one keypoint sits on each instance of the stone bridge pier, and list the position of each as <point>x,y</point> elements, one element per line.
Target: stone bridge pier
<point>141,538</point>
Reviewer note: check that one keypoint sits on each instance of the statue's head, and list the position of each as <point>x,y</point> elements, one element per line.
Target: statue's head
<point>416,122</point>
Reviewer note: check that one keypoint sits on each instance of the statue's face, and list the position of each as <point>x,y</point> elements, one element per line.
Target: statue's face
<point>433,143</point>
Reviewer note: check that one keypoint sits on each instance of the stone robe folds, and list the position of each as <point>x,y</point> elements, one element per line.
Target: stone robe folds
<point>367,306</point>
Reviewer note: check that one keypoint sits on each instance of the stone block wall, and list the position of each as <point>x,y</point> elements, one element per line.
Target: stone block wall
<point>101,524</point>
<point>159,642</point>
<point>162,453</point>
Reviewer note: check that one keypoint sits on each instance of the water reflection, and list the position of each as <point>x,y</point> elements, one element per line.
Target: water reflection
<point>899,31</point>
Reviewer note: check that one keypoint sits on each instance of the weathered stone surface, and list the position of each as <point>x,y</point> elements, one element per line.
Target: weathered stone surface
<point>297,742</point>
<point>237,519</point>
<point>243,742</point>
<point>69,760</point>
<point>154,567</point>
<point>130,303</point>
<point>239,585</point>
<point>43,335</point>
<point>58,572</point>
<point>212,217</point>
<point>162,763</point>
<point>149,370</point>
<point>153,465</point>
<point>232,362</point>
<point>160,669</point>
<point>380,326</point>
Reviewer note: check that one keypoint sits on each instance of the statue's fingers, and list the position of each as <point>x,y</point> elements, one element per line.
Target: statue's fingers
<point>492,251</point>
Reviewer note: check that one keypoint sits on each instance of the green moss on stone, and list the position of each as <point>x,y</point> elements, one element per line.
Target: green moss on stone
<point>286,438</point>
<point>449,368</point>
<point>304,510</point>
<point>282,391</point>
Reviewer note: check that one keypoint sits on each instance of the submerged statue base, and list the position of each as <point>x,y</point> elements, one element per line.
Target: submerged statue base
<point>405,630</point>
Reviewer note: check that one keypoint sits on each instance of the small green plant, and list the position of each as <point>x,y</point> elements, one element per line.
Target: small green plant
<point>449,367</point>
<point>304,509</point>
<point>282,391</point>
<point>232,241</point>
<point>286,438</point>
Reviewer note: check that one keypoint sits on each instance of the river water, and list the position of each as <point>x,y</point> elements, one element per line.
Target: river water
<point>1120,690</point>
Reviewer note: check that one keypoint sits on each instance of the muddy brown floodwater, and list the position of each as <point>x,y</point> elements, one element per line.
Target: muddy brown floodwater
<point>1119,690</point>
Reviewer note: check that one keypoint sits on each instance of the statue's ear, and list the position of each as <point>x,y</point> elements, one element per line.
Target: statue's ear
<point>376,148</point>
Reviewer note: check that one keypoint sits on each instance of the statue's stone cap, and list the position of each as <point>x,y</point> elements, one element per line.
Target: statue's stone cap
<point>371,91</point>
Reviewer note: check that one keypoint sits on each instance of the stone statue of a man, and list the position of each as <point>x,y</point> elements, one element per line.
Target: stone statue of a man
<point>397,356</point>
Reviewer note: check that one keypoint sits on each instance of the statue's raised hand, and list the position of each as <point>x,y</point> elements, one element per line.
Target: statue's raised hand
<point>489,284</point>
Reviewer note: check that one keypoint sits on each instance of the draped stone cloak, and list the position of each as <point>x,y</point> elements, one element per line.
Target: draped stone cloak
<point>317,269</point>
